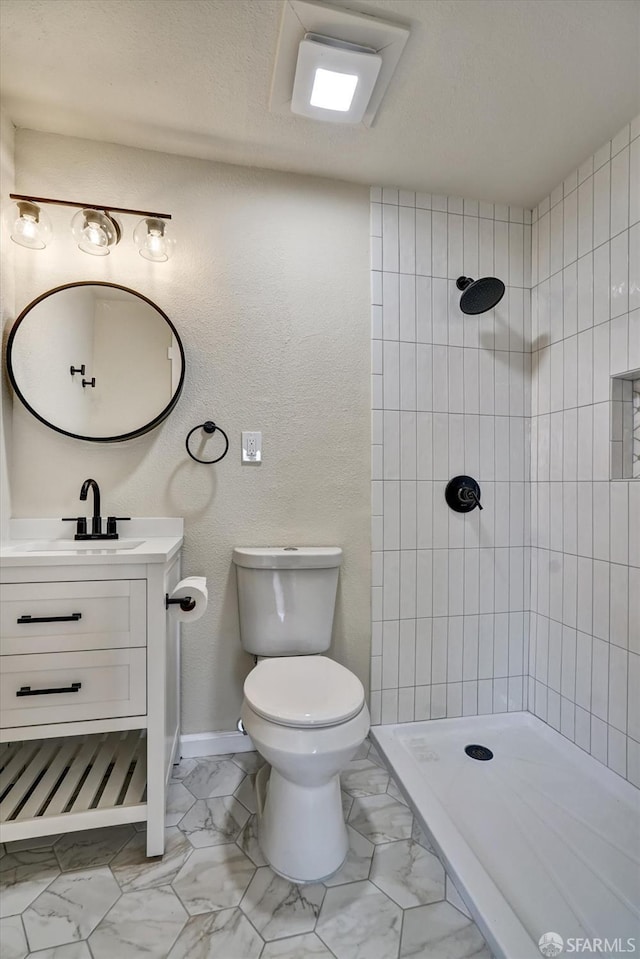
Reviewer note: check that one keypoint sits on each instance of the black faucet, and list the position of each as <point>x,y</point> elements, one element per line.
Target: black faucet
<point>96,521</point>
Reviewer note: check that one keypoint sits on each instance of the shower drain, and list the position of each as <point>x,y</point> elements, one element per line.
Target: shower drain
<point>482,753</point>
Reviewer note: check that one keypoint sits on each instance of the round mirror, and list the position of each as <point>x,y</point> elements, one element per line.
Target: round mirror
<point>96,361</point>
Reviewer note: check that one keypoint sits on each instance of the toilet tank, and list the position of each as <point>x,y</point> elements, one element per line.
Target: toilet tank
<point>286,598</point>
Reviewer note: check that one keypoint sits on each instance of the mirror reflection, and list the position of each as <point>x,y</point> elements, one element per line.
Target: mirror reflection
<point>96,361</point>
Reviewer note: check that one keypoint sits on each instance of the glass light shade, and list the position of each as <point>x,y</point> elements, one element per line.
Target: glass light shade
<point>95,232</point>
<point>28,225</point>
<point>153,239</point>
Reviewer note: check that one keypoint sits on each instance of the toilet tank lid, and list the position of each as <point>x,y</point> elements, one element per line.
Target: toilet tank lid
<point>287,557</point>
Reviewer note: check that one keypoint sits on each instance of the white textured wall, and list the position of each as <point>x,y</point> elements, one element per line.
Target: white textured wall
<point>451,395</point>
<point>585,586</point>
<point>269,290</point>
<point>7,314</point>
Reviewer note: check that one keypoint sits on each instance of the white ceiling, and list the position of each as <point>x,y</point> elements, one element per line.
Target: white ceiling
<point>492,99</point>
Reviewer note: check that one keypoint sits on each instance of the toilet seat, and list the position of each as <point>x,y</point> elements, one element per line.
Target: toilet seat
<point>303,691</point>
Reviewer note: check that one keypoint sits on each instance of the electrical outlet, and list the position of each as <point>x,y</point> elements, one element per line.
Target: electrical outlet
<point>251,447</point>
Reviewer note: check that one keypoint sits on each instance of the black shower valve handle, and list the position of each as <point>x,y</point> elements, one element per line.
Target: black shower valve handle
<point>462,494</point>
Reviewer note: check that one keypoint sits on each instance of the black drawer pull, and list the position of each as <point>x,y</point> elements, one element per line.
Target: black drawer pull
<point>28,691</point>
<point>50,619</point>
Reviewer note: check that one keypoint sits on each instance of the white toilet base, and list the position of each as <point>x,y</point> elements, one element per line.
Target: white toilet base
<point>301,829</point>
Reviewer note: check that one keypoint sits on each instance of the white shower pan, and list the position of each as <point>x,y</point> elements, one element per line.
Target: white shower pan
<point>541,838</point>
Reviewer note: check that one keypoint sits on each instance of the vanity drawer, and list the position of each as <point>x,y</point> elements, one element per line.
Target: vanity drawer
<point>109,683</point>
<point>54,617</point>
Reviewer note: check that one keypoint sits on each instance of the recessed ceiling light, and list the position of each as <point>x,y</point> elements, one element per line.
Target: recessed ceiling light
<point>333,91</point>
<point>334,79</point>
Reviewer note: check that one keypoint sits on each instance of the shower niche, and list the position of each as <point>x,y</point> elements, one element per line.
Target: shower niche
<point>625,425</point>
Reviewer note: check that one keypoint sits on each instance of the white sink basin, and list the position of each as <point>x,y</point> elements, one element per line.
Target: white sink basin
<point>79,545</point>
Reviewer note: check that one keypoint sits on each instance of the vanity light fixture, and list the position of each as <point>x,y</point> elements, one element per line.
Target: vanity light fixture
<point>334,79</point>
<point>95,232</point>
<point>94,228</point>
<point>153,239</point>
<point>27,224</point>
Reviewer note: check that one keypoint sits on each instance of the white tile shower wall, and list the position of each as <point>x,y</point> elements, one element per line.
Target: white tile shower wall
<point>584,662</point>
<point>451,394</point>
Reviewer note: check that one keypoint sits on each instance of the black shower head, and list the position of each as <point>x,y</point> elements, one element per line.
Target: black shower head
<point>479,295</point>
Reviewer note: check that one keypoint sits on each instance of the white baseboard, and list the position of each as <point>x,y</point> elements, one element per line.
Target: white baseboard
<point>193,745</point>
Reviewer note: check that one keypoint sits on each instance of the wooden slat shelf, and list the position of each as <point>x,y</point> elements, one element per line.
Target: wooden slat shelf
<point>70,783</point>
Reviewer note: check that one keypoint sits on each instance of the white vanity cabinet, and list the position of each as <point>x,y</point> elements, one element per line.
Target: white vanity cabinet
<point>89,682</point>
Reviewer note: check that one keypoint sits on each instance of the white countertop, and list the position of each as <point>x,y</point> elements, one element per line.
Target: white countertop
<point>161,538</point>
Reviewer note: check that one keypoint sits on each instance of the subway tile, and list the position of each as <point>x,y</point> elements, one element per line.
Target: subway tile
<point>633,706</point>
<point>424,584</point>
<point>390,194</point>
<point>423,242</point>
<point>618,669</point>
<point>583,729</point>
<point>619,605</point>
<point>619,274</point>
<point>408,515</point>
<point>570,299</point>
<point>617,751</point>
<point>391,586</point>
<point>601,204</point>
<point>599,739</point>
<point>407,373</point>
<point>470,260</point>
<point>407,653</point>
<point>406,198</point>
<point>390,306</point>
<point>585,217</point>
<point>620,140</point>
<point>454,246</point>
<point>501,250</point>
<point>556,229</point>
<point>407,312</point>
<point>601,284</point>
<point>439,202</point>
<point>439,244</point>
<point>390,238</point>
<point>634,271</point>
<point>634,179</point>
<point>407,446</point>
<point>570,228</point>
<point>585,292</point>
<point>620,192</point>
<point>391,448</point>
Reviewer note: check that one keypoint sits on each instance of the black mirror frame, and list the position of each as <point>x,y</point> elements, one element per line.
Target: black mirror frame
<point>97,439</point>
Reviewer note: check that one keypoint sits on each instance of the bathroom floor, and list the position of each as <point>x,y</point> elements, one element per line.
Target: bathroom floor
<point>94,895</point>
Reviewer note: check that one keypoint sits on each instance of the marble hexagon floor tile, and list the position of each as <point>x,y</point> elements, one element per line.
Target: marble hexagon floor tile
<point>141,924</point>
<point>70,908</point>
<point>245,793</point>
<point>73,950</point>
<point>227,934</point>
<point>23,876</point>
<point>297,947</point>
<point>91,847</point>
<point>248,842</point>
<point>364,778</point>
<point>213,778</point>
<point>278,908</point>
<point>408,873</point>
<point>440,932</point>
<point>381,818</point>
<point>358,921</point>
<point>133,870</point>
<point>211,822</point>
<point>249,762</point>
<point>215,877</point>
<point>179,802</point>
<point>13,942</point>
<point>358,862</point>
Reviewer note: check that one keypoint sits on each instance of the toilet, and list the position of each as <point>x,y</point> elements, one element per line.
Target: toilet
<point>305,713</point>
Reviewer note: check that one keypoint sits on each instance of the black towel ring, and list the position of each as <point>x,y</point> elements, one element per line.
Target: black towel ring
<point>208,427</point>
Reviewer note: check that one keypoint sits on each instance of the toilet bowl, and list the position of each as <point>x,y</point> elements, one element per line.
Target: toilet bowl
<point>305,713</point>
<point>307,717</point>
